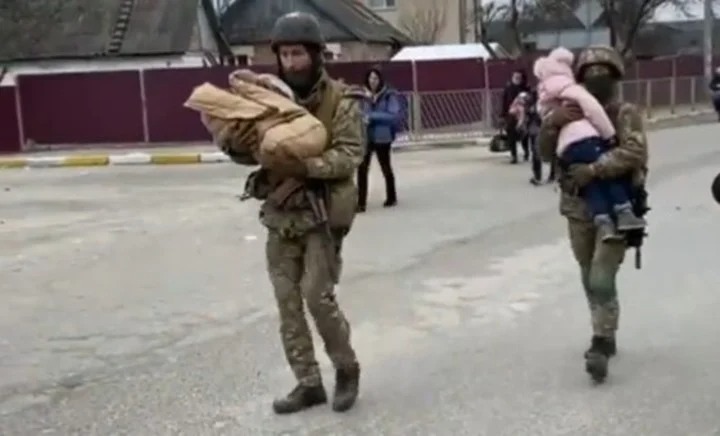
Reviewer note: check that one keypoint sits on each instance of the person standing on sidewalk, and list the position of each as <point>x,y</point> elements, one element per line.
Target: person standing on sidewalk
<point>518,84</point>
<point>308,209</point>
<point>383,115</point>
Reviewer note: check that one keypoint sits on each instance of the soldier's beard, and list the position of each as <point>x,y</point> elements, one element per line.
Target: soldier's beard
<point>302,82</point>
<point>601,87</point>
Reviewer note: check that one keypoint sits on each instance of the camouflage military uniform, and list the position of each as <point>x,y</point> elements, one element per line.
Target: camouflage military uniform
<point>308,212</point>
<point>297,245</point>
<point>600,261</point>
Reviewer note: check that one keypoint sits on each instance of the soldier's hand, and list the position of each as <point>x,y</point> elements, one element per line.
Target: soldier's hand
<point>288,168</point>
<point>581,174</point>
<point>565,114</point>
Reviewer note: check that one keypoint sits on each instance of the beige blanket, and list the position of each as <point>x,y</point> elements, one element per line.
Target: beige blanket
<point>285,132</point>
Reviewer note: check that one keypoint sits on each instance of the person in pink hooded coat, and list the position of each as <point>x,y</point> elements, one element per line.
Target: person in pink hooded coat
<point>584,141</point>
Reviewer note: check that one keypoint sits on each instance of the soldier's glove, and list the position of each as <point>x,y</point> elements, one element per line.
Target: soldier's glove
<point>565,114</point>
<point>257,186</point>
<point>581,174</point>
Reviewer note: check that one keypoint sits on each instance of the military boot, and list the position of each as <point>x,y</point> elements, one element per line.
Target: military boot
<point>627,220</point>
<point>347,384</point>
<point>597,357</point>
<point>300,398</point>
<point>612,348</point>
<point>606,229</point>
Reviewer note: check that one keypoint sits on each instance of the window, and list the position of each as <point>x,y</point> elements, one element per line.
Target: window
<point>381,4</point>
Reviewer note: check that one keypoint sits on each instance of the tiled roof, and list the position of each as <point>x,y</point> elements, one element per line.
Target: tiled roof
<point>251,21</point>
<point>33,29</point>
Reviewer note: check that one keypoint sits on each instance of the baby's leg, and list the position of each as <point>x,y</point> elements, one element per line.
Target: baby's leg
<point>618,194</point>
<point>594,193</point>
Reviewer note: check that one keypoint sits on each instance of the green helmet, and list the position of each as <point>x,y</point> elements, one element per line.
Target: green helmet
<point>296,28</point>
<point>600,55</point>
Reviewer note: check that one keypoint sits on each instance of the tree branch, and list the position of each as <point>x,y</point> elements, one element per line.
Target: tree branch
<point>424,23</point>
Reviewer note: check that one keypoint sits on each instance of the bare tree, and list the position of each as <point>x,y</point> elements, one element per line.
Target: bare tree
<point>423,21</point>
<point>517,14</point>
<point>625,18</point>
<point>484,14</point>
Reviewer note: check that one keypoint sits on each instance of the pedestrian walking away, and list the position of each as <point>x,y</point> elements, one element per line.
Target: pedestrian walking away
<point>308,209</point>
<point>518,84</point>
<point>383,115</point>
<point>599,69</point>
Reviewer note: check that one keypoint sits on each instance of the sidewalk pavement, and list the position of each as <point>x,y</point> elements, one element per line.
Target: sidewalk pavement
<point>208,153</point>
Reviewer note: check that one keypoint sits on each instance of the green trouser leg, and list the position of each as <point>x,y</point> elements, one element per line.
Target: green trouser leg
<point>599,264</point>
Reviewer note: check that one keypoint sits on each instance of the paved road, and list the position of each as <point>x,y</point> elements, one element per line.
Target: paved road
<point>135,303</point>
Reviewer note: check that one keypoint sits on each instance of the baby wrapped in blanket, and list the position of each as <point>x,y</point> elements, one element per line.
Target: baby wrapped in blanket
<point>258,116</point>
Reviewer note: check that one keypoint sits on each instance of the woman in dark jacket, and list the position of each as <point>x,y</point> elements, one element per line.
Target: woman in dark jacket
<point>715,91</point>
<point>533,128</point>
<point>518,83</point>
<point>382,116</point>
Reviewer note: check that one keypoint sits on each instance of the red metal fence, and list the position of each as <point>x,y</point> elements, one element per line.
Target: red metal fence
<point>145,107</point>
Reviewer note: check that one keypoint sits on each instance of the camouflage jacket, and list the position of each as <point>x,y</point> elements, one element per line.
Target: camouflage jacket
<point>331,174</point>
<point>630,156</point>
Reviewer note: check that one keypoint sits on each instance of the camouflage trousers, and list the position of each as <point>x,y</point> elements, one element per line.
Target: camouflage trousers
<point>599,264</point>
<point>299,271</point>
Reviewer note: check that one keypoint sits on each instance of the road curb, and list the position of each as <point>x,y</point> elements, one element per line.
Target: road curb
<point>184,158</point>
<point>101,160</point>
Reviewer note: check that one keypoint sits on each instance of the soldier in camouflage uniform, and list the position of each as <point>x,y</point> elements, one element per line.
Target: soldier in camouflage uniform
<point>308,210</point>
<point>599,69</point>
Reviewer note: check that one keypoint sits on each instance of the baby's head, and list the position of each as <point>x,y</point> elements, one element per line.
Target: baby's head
<point>265,80</point>
<point>274,83</point>
<point>558,63</point>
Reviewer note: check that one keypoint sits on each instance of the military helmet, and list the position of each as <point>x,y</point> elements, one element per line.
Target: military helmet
<point>716,188</point>
<point>600,55</point>
<point>296,28</point>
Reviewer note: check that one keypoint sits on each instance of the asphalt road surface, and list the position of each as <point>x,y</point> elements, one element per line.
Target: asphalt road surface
<point>135,302</point>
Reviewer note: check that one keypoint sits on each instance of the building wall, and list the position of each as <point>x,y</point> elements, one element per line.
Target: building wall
<point>343,52</point>
<point>571,39</point>
<point>452,31</point>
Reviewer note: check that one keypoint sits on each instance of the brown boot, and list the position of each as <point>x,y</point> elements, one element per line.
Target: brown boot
<point>347,384</point>
<point>300,398</point>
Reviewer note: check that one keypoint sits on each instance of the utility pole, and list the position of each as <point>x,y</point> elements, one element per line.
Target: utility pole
<point>708,37</point>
